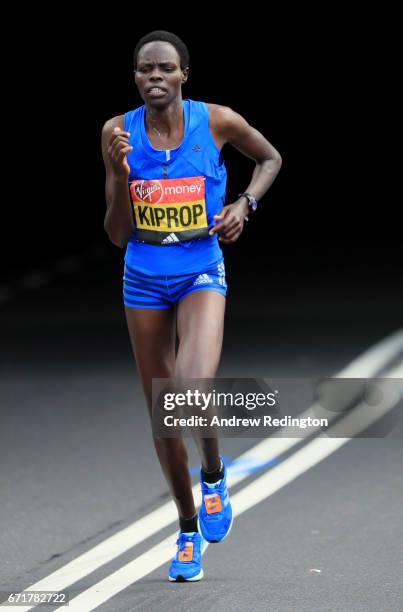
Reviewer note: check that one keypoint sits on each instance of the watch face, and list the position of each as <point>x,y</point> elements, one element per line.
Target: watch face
<point>253,204</point>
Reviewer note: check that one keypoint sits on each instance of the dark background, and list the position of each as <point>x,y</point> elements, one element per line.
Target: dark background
<point>313,282</point>
<point>310,83</point>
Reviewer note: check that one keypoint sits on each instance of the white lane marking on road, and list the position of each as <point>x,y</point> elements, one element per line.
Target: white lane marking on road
<point>357,420</point>
<point>375,358</point>
<point>372,361</point>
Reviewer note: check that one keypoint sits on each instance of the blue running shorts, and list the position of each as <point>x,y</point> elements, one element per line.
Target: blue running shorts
<point>142,290</point>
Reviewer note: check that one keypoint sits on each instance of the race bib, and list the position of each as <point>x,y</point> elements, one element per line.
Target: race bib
<point>168,211</point>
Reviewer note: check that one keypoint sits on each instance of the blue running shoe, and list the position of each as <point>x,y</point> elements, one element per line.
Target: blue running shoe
<point>215,515</point>
<point>186,565</point>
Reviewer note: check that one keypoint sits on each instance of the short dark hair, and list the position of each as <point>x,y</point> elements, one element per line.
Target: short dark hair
<point>163,35</point>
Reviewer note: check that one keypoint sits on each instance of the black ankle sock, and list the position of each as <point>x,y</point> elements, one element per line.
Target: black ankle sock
<point>188,524</point>
<point>211,477</point>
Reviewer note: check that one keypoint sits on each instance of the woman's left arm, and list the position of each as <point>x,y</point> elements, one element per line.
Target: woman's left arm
<point>232,128</point>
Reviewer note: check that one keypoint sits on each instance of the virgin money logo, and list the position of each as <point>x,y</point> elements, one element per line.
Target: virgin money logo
<point>147,191</point>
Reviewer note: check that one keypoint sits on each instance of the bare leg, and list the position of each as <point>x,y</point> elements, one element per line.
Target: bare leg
<point>153,335</point>
<point>200,324</point>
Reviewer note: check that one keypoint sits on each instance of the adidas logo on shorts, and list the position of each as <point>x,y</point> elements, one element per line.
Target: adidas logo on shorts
<point>221,274</point>
<point>171,238</point>
<point>203,278</point>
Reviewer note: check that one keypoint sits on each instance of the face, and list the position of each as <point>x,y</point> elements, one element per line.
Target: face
<point>158,74</point>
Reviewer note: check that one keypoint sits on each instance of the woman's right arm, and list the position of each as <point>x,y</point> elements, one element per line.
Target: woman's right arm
<point>118,221</point>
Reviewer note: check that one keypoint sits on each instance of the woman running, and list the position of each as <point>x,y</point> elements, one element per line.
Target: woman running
<point>165,195</point>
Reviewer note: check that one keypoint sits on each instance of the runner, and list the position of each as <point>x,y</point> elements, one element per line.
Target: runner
<point>165,195</point>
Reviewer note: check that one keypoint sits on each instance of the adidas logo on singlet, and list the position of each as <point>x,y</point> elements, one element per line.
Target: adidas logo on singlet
<point>202,278</point>
<point>171,238</point>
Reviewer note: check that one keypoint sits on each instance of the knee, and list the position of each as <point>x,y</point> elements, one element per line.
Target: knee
<point>196,364</point>
<point>194,368</point>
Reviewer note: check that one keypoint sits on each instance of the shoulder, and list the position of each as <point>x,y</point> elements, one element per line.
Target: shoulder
<point>107,131</point>
<point>108,127</point>
<point>225,123</point>
<point>224,119</point>
<point>110,124</point>
<point>218,113</point>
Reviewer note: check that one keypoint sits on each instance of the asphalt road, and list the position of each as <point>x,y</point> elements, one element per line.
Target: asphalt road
<point>78,464</point>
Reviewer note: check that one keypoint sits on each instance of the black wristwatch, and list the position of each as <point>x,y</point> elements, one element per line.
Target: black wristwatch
<point>252,203</point>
